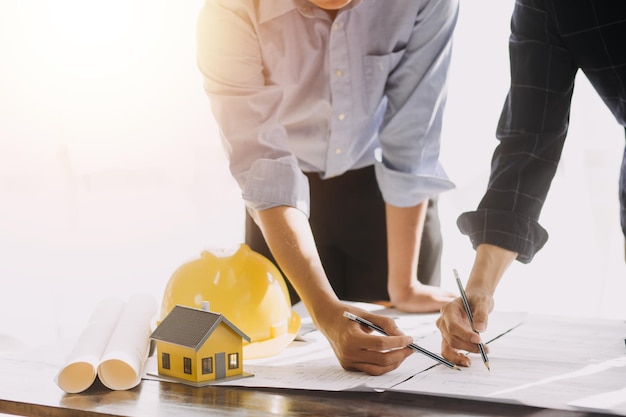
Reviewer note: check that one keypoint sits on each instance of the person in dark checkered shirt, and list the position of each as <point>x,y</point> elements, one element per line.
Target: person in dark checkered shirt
<point>550,41</point>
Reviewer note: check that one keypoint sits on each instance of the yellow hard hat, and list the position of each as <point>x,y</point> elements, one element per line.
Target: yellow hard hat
<point>243,286</point>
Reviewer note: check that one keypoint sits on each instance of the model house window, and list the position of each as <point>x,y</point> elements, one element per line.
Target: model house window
<point>187,365</point>
<point>165,360</point>
<point>233,360</point>
<point>207,366</point>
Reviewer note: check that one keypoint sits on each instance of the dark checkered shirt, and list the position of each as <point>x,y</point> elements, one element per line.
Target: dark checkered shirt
<point>550,40</point>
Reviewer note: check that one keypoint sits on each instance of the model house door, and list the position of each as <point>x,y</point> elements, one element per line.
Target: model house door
<point>220,365</point>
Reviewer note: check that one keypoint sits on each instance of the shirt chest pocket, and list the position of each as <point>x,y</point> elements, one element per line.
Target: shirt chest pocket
<point>376,71</point>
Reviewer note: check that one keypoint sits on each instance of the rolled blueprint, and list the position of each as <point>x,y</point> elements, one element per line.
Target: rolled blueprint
<point>122,363</point>
<point>113,346</point>
<point>80,368</point>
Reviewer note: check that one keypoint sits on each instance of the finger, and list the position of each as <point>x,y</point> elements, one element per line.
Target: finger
<point>455,342</point>
<point>462,344</point>
<point>481,317</point>
<point>455,322</point>
<point>482,305</point>
<point>373,370</point>
<point>374,362</point>
<point>454,355</point>
<point>365,339</point>
<point>455,330</point>
<point>387,323</point>
<point>378,343</point>
<point>395,339</point>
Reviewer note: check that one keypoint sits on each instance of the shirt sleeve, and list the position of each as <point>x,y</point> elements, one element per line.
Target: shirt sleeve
<point>532,130</point>
<point>407,164</point>
<point>244,107</point>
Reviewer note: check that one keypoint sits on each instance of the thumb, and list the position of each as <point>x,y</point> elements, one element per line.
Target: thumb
<point>481,318</point>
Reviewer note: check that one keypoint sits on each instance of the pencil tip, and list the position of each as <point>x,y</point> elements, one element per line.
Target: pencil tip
<point>487,365</point>
<point>456,367</point>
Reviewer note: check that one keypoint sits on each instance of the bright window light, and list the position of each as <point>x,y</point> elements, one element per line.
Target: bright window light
<point>89,38</point>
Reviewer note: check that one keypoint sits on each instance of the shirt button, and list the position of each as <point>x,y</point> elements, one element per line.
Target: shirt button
<point>339,73</point>
<point>338,151</point>
<point>341,116</point>
<point>336,26</point>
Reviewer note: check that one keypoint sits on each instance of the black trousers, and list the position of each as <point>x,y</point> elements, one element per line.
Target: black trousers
<point>348,223</point>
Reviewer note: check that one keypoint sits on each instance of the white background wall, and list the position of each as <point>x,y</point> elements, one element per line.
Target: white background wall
<point>112,175</point>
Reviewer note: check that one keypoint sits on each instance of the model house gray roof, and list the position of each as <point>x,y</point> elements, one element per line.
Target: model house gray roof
<point>190,327</point>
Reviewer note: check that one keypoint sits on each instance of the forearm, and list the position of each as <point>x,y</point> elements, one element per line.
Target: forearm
<point>404,234</point>
<point>289,237</point>
<point>490,264</point>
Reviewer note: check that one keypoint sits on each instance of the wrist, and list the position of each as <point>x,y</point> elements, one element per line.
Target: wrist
<point>401,290</point>
<point>489,266</point>
<point>325,311</point>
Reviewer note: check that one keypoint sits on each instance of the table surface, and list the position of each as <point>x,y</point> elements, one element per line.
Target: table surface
<point>27,388</point>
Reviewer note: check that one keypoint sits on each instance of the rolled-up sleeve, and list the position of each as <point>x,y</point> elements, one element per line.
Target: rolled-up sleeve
<point>244,107</point>
<point>531,130</point>
<point>505,229</point>
<point>407,165</point>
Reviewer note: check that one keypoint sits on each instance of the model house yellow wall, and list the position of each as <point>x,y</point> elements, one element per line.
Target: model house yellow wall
<point>222,353</point>
<point>198,346</point>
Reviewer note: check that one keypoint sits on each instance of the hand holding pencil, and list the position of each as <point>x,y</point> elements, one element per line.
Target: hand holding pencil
<point>459,333</point>
<point>413,346</point>
<point>468,310</point>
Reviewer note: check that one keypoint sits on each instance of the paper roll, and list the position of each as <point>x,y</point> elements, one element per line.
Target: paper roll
<point>80,368</point>
<point>121,364</point>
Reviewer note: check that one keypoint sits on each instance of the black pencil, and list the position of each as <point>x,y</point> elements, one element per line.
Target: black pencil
<point>466,305</point>
<point>413,346</point>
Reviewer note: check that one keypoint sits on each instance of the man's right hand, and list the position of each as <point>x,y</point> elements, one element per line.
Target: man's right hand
<point>357,347</point>
<point>457,334</point>
<point>288,234</point>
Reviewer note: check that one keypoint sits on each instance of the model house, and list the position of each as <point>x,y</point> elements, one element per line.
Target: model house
<point>198,346</point>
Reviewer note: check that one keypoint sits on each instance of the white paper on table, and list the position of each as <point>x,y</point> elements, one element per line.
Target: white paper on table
<point>552,362</point>
<point>311,364</point>
<point>113,346</point>
<point>80,368</point>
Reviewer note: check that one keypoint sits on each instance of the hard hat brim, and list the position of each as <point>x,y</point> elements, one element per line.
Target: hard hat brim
<point>271,347</point>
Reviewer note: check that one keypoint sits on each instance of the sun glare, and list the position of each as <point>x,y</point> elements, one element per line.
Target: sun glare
<point>88,38</point>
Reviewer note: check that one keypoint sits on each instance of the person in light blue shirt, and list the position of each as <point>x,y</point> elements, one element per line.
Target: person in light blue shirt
<point>330,112</point>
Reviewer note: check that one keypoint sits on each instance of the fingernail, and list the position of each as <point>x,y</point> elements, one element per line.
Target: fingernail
<point>475,339</point>
<point>480,327</point>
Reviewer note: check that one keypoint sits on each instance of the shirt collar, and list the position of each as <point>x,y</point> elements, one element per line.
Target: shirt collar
<point>271,9</point>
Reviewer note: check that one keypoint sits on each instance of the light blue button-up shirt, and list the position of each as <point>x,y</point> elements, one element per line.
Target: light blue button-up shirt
<point>293,91</point>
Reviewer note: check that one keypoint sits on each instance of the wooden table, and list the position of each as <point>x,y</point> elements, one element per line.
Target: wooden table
<point>27,388</point>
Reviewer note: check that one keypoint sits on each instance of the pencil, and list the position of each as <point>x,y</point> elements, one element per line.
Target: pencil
<point>413,346</point>
<point>466,305</point>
